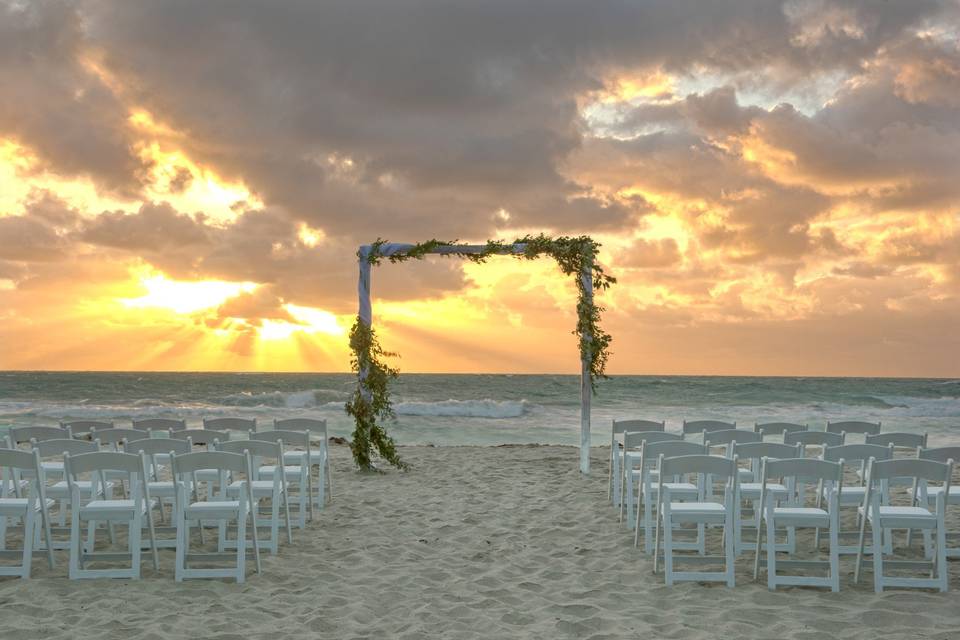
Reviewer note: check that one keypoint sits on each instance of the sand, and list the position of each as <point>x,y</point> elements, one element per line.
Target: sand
<point>474,542</point>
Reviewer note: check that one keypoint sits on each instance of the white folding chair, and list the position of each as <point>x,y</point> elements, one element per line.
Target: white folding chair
<point>297,476</point>
<point>694,427</point>
<point>928,496</point>
<point>630,461</point>
<point>319,454</point>
<point>220,509</point>
<point>160,487</point>
<point>52,454</point>
<point>848,427</point>
<point>884,517</point>
<point>724,438</point>
<point>230,424</point>
<point>19,436</point>
<point>160,425</point>
<point>203,440</point>
<point>751,491</point>
<point>614,481</point>
<point>856,455</point>
<point>777,429</point>
<point>82,428</point>
<point>30,509</point>
<point>779,508</point>
<point>130,511</point>
<point>701,513</point>
<point>648,477</point>
<point>812,443</point>
<point>262,452</point>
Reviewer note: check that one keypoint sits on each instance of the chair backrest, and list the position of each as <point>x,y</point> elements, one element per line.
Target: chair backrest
<point>853,426</point>
<point>259,448</point>
<point>230,424</point>
<point>778,428</point>
<point>633,425</point>
<point>726,436</point>
<point>899,439</point>
<point>19,459</point>
<point>810,469</point>
<point>202,437</point>
<point>717,466</point>
<point>857,452</point>
<point>83,427</point>
<point>288,437</point>
<point>313,425</point>
<point>219,460</point>
<point>815,438</point>
<point>54,448</point>
<point>103,461</point>
<point>930,470</point>
<point>699,426</point>
<point>160,424</point>
<point>773,450</point>
<point>154,446</point>
<point>115,436</point>
<point>940,454</point>
<point>671,448</point>
<point>19,435</point>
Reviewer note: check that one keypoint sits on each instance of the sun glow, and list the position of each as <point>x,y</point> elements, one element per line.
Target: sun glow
<point>308,321</point>
<point>186,297</point>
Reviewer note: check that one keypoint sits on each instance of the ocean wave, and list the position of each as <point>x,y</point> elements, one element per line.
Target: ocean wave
<point>305,399</point>
<point>463,408</point>
<point>879,403</point>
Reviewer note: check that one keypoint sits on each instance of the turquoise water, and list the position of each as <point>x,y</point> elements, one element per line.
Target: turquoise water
<point>448,409</point>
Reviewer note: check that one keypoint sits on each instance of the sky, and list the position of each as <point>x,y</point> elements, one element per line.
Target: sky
<point>776,186</point>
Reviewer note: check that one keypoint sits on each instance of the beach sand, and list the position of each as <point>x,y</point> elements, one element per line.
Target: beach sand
<point>473,542</point>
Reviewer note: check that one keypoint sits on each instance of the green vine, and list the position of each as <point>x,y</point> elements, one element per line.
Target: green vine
<point>370,404</point>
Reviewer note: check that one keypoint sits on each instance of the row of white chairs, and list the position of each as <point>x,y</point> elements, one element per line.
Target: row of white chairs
<point>667,499</point>
<point>791,433</point>
<point>236,474</point>
<point>212,429</point>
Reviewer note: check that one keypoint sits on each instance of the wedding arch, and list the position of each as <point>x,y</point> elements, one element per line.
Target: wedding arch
<point>370,405</point>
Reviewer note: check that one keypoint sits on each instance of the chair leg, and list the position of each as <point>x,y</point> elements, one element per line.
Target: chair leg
<point>183,527</point>
<point>242,543</point>
<point>834,535</point>
<point>91,535</point>
<point>136,529</point>
<point>942,557</point>
<point>733,517</point>
<point>771,553</point>
<point>76,548</point>
<point>877,545</point>
<point>29,525</point>
<point>667,546</point>
<point>647,521</point>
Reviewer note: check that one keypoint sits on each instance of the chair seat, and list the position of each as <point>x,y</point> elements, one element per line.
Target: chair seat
<point>296,457</point>
<point>905,512</point>
<point>801,514</point>
<point>745,475</point>
<point>954,495</point>
<point>213,508</point>
<point>696,508</point>
<point>261,488</point>
<point>752,490</point>
<point>13,506</point>
<point>848,495</point>
<point>52,466</point>
<point>165,488</point>
<point>678,488</point>
<point>110,510</point>
<point>292,471</point>
<point>61,490</point>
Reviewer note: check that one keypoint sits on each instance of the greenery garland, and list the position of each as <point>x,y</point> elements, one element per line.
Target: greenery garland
<point>370,404</point>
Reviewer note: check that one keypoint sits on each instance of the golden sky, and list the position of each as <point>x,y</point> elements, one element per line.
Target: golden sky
<point>777,189</point>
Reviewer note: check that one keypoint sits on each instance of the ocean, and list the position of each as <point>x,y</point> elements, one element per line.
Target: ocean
<point>446,409</point>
